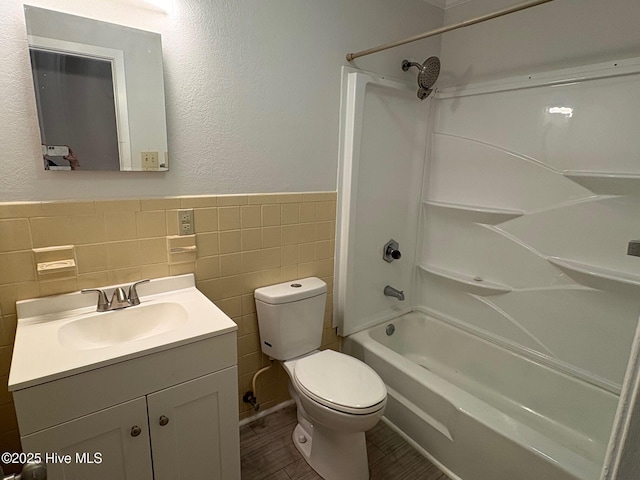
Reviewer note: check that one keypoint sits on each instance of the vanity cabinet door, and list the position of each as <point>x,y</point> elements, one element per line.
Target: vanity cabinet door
<point>194,428</point>
<point>107,445</point>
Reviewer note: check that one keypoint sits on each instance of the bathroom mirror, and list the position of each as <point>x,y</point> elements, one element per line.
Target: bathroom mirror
<point>99,91</point>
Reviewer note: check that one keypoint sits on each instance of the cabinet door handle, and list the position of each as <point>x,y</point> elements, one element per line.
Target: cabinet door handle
<point>135,431</point>
<point>163,421</point>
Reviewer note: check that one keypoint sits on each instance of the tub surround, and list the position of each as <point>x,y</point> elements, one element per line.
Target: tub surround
<point>243,242</point>
<point>527,205</point>
<point>547,272</point>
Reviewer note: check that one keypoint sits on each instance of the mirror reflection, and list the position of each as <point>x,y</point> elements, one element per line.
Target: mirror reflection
<point>99,93</point>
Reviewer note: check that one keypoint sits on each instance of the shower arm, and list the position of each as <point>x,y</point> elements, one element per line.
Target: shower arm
<point>406,65</point>
<point>455,26</point>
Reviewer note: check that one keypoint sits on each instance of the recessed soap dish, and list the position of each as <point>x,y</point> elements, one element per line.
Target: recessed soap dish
<point>56,266</point>
<point>53,263</point>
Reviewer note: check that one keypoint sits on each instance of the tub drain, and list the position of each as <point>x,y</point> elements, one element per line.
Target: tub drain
<point>390,329</point>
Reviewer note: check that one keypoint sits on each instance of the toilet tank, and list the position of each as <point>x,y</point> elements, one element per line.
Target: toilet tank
<point>290,317</point>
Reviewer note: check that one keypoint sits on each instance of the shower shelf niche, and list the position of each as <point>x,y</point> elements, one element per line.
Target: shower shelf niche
<point>472,284</point>
<point>481,214</point>
<point>611,183</point>
<point>592,275</point>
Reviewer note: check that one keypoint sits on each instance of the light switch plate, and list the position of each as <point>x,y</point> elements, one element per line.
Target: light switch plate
<point>149,160</point>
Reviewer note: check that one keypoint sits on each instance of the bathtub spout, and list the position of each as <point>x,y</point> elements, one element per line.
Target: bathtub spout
<point>392,292</point>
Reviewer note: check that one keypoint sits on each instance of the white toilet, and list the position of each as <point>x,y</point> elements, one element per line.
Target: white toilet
<point>338,397</point>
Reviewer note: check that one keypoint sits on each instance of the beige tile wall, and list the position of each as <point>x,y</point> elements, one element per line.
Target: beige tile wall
<point>243,242</point>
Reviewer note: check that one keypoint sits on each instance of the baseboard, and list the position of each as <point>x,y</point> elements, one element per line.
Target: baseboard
<point>266,412</point>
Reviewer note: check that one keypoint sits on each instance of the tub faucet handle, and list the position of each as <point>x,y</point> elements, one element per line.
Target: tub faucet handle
<point>390,251</point>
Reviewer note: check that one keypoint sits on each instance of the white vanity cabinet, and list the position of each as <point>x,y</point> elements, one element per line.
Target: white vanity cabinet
<point>194,428</point>
<point>171,414</point>
<point>107,433</point>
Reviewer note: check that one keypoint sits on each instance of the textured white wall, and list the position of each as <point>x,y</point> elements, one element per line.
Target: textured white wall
<point>560,34</point>
<point>252,92</point>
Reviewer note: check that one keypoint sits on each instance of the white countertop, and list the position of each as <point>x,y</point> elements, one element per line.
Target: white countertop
<point>39,356</point>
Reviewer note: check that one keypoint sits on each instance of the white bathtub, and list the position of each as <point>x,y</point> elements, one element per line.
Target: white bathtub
<point>481,411</point>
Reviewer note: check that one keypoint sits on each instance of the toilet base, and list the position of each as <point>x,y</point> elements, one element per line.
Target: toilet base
<point>333,455</point>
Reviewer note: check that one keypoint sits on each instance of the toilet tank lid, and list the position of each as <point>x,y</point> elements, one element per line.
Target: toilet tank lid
<point>291,291</point>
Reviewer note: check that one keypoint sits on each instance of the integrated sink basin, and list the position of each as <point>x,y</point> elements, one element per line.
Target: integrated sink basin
<point>106,329</point>
<point>63,335</point>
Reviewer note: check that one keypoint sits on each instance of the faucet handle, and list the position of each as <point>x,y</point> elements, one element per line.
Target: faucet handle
<point>133,292</point>
<point>103,302</point>
<point>390,251</point>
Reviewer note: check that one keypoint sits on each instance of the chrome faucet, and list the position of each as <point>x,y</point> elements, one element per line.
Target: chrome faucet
<point>392,292</point>
<point>119,299</point>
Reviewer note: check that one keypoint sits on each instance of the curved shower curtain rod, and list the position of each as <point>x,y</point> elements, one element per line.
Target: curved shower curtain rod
<point>438,31</point>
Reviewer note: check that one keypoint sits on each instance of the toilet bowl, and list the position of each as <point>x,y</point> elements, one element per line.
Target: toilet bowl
<point>338,397</point>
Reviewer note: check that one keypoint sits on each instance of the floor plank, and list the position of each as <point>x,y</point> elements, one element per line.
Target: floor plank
<point>267,453</point>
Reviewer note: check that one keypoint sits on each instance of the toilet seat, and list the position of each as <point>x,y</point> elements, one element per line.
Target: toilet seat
<point>340,382</point>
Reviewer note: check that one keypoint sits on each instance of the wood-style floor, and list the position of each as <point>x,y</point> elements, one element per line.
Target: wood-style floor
<point>267,453</point>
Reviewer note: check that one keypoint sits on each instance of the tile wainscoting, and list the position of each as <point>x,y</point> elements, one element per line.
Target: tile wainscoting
<point>243,242</point>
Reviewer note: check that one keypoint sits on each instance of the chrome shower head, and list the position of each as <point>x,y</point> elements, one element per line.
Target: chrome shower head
<point>427,75</point>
